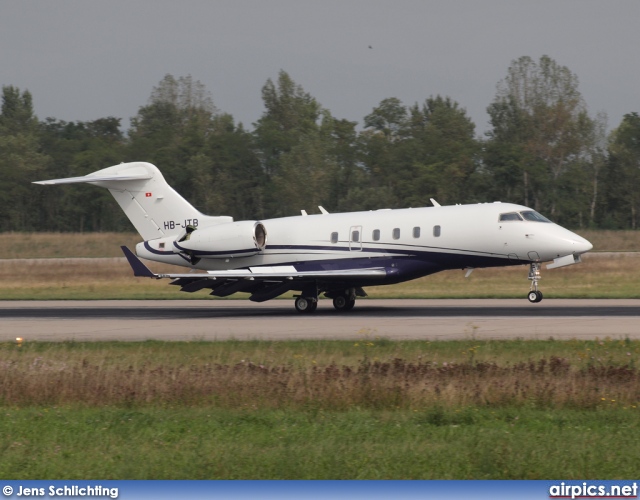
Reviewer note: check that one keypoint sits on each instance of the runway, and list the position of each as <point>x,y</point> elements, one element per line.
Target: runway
<point>277,320</point>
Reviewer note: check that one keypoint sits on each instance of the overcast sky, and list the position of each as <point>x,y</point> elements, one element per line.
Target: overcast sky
<point>84,60</point>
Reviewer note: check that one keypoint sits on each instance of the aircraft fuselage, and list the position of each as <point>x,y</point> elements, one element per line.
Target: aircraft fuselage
<point>414,241</point>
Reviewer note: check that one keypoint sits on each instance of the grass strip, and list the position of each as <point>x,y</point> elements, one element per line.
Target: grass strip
<point>254,443</point>
<point>370,409</point>
<point>600,276</point>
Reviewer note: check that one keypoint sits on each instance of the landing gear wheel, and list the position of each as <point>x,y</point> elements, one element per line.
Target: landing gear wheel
<point>343,303</point>
<point>534,296</point>
<point>305,305</point>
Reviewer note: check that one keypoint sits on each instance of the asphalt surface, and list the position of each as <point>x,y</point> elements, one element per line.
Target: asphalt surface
<point>277,320</point>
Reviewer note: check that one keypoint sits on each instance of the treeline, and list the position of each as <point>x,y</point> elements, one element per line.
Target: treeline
<point>543,150</point>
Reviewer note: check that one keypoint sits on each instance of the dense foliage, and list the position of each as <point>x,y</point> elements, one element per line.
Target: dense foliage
<point>543,150</point>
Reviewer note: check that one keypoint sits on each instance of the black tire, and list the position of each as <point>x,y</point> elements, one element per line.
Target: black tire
<point>539,299</point>
<point>305,305</point>
<point>533,297</point>
<point>342,303</point>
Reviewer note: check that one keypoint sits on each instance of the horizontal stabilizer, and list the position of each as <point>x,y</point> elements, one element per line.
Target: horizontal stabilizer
<point>154,208</point>
<point>97,178</point>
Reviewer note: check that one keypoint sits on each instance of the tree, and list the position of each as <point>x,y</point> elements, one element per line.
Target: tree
<point>623,176</point>
<point>448,152</point>
<point>20,161</point>
<point>17,115</point>
<point>174,126</point>
<point>235,173</point>
<point>293,141</point>
<point>421,152</point>
<point>75,149</point>
<point>389,118</point>
<point>541,130</point>
<point>290,115</point>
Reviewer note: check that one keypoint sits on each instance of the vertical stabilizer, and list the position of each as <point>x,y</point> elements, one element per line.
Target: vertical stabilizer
<point>153,207</point>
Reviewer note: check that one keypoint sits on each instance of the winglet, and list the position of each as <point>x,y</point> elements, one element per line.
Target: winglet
<point>139,269</point>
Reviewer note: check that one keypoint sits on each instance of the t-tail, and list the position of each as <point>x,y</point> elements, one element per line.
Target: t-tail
<point>154,208</point>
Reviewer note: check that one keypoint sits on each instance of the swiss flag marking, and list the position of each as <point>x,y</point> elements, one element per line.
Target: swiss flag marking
<point>148,195</point>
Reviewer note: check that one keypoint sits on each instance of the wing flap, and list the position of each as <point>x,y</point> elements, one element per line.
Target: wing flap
<point>375,272</point>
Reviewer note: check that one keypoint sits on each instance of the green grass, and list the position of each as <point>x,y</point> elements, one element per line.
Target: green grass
<point>369,409</point>
<point>211,443</point>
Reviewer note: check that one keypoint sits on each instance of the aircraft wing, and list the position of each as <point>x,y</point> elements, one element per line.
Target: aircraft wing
<point>263,283</point>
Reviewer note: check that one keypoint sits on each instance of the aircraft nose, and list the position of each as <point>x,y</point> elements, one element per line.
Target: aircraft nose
<point>581,245</point>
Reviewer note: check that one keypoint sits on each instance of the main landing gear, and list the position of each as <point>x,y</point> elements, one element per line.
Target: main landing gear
<point>343,300</point>
<point>306,304</point>
<point>534,295</point>
<point>344,303</point>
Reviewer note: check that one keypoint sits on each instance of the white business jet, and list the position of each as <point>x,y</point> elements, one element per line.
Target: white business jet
<point>332,254</point>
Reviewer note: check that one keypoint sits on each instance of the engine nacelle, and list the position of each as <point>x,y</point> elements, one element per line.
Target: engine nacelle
<point>223,241</point>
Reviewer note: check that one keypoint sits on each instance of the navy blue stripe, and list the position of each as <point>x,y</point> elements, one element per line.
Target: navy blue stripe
<point>397,251</point>
<point>165,253</point>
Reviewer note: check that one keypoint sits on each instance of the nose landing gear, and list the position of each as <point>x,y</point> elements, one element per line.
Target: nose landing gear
<point>534,295</point>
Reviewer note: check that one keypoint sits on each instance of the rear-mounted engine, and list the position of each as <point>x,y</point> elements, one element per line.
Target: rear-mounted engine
<point>223,241</point>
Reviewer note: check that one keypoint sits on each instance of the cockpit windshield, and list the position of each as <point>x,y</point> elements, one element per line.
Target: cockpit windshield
<point>510,216</point>
<point>528,215</point>
<point>534,216</point>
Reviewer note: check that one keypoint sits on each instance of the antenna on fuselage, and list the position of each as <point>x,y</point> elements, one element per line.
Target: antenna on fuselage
<point>435,203</point>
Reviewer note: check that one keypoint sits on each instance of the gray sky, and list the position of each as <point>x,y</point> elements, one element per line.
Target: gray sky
<point>84,60</point>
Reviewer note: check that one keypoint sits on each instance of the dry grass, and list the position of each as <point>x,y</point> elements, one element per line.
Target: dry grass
<point>64,245</point>
<point>612,241</point>
<point>600,276</point>
<point>553,382</point>
<point>81,278</point>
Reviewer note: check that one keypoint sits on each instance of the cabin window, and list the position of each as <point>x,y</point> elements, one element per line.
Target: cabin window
<point>355,236</point>
<point>334,237</point>
<point>436,231</point>
<point>396,233</point>
<point>416,232</point>
<point>533,216</point>
<point>376,235</point>
<point>511,216</point>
